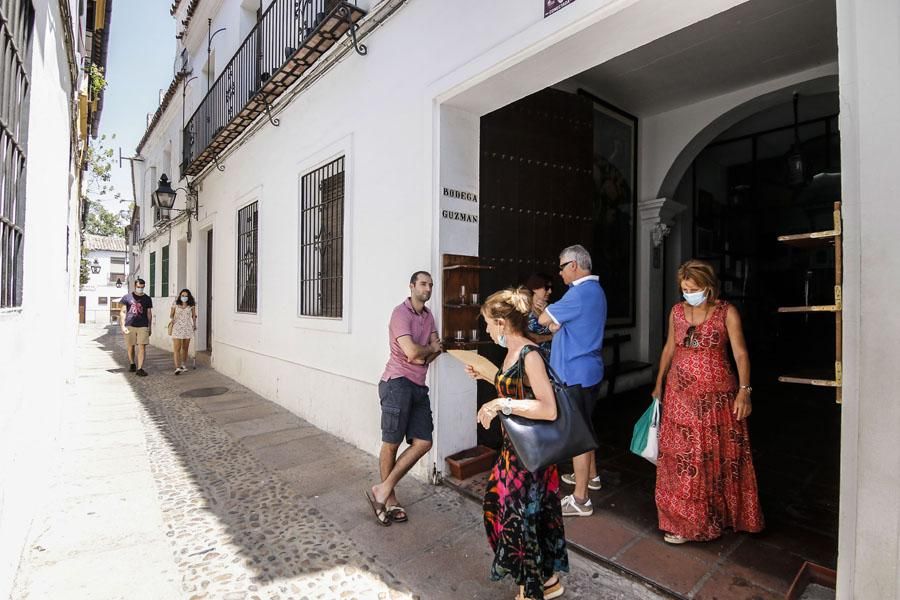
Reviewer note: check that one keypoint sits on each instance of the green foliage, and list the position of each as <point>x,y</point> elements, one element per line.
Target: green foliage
<point>104,222</point>
<point>98,81</point>
<point>85,274</point>
<point>99,173</point>
<point>97,187</point>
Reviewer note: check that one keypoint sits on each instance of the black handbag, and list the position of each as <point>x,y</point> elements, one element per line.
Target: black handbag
<point>539,443</point>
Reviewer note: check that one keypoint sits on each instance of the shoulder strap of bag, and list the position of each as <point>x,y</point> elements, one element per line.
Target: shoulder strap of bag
<point>554,378</point>
<point>521,365</point>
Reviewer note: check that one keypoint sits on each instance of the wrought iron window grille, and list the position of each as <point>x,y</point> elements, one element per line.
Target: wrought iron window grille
<point>322,241</point>
<point>16,32</point>
<point>247,258</point>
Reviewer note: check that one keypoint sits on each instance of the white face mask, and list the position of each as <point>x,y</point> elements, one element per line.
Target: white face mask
<point>139,291</point>
<point>184,298</point>
<point>695,298</point>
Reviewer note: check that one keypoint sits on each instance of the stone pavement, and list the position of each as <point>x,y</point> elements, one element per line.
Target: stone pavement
<point>160,495</point>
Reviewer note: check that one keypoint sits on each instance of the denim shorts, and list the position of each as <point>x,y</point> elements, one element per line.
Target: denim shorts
<point>405,411</point>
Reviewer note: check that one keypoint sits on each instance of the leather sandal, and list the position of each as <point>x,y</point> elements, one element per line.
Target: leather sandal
<point>397,513</point>
<point>381,514</point>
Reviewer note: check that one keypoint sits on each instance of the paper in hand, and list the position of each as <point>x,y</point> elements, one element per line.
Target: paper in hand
<point>483,366</point>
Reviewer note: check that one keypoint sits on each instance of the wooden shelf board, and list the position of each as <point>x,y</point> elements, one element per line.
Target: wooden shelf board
<point>460,345</point>
<point>469,267</point>
<point>809,240</point>
<point>808,309</point>
<point>450,305</point>
<point>809,381</point>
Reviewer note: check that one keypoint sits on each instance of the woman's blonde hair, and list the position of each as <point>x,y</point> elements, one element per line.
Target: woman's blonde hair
<point>701,273</point>
<point>512,305</point>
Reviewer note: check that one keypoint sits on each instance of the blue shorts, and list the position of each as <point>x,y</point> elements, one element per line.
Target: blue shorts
<point>405,411</point>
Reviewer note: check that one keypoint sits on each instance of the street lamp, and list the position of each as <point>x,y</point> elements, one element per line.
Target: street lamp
<point>95,267</point>
<point>164,197</point>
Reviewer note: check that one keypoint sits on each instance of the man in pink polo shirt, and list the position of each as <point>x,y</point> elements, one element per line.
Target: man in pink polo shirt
<point>405,406</point>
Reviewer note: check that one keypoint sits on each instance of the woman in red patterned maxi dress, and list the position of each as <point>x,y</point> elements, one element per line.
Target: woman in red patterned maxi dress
<point>705,480</point>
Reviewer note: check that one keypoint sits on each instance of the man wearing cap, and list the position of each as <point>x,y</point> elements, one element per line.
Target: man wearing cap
<point>405,406</point>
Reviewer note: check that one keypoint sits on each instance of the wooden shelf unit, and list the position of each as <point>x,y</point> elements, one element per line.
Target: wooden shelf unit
<point>461,271</point>
<point>818,239</point>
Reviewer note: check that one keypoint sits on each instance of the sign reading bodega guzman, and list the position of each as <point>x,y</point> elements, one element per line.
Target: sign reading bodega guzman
<point>453,210</point>
<point>551,6</point>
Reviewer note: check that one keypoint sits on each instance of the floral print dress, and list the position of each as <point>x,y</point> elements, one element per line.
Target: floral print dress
<point>705,480</point>
<point>522,515</point>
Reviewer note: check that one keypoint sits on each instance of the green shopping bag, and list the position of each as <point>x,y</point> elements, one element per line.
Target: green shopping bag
<point>645,437</point>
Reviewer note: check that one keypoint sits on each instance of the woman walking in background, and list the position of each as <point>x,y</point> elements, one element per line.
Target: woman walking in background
<point>522,512</point>
<point>705,481</point>
<point>184,323</point>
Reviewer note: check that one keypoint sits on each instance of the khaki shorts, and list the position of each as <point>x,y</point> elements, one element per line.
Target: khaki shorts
<point>137,335</point>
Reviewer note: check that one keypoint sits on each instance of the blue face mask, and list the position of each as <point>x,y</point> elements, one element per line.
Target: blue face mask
<point>695,298</point>
<point>184,298</point>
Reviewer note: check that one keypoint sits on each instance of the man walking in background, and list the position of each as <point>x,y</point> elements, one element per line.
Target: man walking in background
<point>578,321</point>
<point>136,317</point>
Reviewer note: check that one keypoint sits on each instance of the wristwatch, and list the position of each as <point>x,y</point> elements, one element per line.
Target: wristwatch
<point>748,388</point>
<point>506,407</point>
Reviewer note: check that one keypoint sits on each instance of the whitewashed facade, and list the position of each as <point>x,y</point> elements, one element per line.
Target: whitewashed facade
<point>46,94</point>
<point>101,293</point>
<point>404,119</point>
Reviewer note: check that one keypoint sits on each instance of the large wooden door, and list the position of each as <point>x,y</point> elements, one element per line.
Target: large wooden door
<point>82,308</point>
<point>536,185</point>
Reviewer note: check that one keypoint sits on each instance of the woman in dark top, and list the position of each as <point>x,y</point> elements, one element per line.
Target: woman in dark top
<point>541,286</point>
<point>522,513</point>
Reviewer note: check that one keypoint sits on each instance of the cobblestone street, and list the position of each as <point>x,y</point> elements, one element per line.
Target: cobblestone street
<point>163,495</point>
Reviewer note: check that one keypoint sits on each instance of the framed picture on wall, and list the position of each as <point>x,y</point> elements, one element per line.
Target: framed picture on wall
<point>614,240</point>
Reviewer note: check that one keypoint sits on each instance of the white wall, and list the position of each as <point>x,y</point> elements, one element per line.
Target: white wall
<point>33,372</point>
<point>869,540</point>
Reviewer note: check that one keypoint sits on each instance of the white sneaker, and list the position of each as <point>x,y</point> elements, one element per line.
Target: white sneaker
<point>593,484</point>
<point>571,507</point>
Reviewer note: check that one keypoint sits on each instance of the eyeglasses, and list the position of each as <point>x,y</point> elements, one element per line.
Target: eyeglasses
<point>689,341</point>
<point>565,264</point>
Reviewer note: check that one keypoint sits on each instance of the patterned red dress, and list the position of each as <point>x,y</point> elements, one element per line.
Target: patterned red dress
<point>705,480</point>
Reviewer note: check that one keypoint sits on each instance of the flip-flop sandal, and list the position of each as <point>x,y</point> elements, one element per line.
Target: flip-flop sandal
<point>381,514</point>
<point>397,513</point>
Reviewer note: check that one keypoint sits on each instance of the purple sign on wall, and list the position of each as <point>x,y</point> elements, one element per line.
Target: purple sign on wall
<point>551,6</point>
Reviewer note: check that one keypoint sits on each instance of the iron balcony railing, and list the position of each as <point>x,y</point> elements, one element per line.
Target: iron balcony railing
<point>288,39</point>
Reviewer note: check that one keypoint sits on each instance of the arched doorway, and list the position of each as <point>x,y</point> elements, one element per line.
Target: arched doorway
<point>740,194</point>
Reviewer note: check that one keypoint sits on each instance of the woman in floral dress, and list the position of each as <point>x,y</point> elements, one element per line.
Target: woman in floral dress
<point>522,513</point>
<point>705,481</point>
